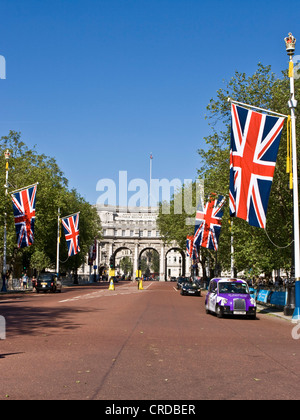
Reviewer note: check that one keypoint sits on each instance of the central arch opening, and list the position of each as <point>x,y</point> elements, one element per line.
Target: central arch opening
<point>123,260</point>
<point>149,263</point>
<point>174,264</point>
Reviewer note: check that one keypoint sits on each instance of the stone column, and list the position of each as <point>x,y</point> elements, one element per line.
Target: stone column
<point>162,264</point>
<point>135,260</point>
<point>188,263</point>
<point>110,252</point>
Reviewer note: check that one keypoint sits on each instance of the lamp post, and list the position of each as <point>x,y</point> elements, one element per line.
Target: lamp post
<point>4,289</point>
<point>290,42</point>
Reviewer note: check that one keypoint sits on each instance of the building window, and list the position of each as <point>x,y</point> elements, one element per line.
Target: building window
<point>149,233</point>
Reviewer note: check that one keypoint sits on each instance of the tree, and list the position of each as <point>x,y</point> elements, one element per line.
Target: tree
<point>253,249</point>
<point>256,250</point>
<point>174,218</point>
<point>176,226</point>
<point>89,229</point>
<point>126,265</point>
<point>27,167</point>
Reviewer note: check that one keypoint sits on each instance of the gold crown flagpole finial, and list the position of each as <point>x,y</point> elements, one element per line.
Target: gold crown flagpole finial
<point>7,155</point>
<point>290,42</point>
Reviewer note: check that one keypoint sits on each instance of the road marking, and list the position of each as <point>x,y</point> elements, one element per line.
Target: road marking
<point>121,290</point>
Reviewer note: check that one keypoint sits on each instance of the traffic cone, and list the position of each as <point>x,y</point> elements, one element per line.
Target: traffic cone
<point>141,285</point>
<point>111,285</point>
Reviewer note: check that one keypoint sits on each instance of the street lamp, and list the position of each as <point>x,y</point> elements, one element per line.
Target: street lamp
<point>7,156</point>
<point>290,42</point>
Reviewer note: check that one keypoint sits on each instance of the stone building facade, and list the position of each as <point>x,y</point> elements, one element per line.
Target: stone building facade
<point>131,231</point>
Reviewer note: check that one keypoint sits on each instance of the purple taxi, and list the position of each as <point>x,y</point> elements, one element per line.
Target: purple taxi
<point>228,296</point>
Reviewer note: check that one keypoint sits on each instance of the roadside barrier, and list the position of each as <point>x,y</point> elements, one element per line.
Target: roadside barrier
<point>271,297</point>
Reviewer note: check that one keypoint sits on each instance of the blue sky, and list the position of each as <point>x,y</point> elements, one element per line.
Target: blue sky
<point>100,84</point>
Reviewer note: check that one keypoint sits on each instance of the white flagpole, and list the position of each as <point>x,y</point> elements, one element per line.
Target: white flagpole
<point>58,242</point>
<point>23,188</point>
<point>290,42</point>
<point>257,108</point>
<point>231,249</point>
<point>150,184</point>
<point>70,215</point>
<point>4,288</point>
<point>293,104</point>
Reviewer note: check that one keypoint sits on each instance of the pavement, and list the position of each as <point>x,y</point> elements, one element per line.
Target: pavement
<point>65,284</point>
<point>278,312</point>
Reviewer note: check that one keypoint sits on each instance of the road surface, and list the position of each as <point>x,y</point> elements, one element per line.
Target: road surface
<point>91,343</point>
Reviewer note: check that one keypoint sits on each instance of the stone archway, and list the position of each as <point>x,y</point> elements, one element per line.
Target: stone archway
<point>183,261</point>
<point>133,228</point>
<point>144,250</point>
<point>117,260</point>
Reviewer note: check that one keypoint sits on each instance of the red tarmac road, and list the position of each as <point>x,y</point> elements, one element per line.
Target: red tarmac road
<point>153,344</point>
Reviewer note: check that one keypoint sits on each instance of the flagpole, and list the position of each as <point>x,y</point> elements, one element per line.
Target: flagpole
<point>150,178</point>
<point>70,215</point>
<point>4,289</point>
<point>23,188</point>
<point>58,242</point>
<point>231,249</point>
<point>290,42</point>
<point>257,108</point>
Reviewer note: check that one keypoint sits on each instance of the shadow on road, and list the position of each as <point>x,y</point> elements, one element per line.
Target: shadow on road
<point>3,356</point>
<point>28,320</point>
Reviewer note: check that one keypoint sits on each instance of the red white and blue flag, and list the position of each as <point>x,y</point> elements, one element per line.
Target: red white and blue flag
<point>191,249</point>
<point>24,213</point>
<point>71,229</point>
<point>208,222</point>
<point>255,140</point>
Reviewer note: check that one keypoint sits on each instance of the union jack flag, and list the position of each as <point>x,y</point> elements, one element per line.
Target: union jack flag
<point>255,140</point>
<point>71,229</point>
<point>24,213</point>
<point>209,221</point>
<point>191,248</point>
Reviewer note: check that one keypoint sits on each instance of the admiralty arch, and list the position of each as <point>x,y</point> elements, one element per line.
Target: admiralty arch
<point>130,231</point>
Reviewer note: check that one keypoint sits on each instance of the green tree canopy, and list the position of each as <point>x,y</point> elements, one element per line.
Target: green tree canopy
<point>27,167</point>
<point>255,250</point>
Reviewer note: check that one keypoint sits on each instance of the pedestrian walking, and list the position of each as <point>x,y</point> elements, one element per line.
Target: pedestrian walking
<point>24,281</point>
<point>34,281</point>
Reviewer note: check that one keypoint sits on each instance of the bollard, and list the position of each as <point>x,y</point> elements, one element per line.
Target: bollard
<point>290,298</point>
<point>111,284</point>
<point>2,328</point>
<point>4,288</point>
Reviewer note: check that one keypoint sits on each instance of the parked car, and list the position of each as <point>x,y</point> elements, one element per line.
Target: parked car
<point>48,282</point>
<point>190,288</point>
<point>228,296</point>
